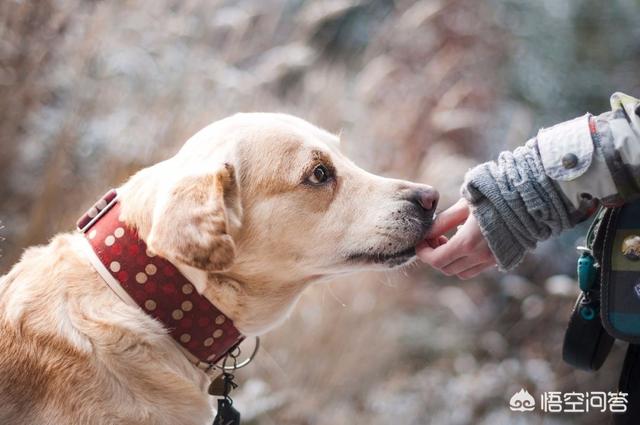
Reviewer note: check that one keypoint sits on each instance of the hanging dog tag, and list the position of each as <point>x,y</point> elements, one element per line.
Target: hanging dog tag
<point>222,385</point>
<point>218,386</point>
<point>227,415</point>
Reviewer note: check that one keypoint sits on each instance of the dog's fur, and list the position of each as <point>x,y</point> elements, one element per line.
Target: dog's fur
<point>238,211</point>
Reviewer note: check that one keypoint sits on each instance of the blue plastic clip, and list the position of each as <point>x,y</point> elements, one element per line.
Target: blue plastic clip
<point>586,271</point>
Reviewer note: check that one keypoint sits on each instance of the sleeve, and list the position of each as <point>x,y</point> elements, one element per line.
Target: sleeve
<point>596,157</point>
<point>556,180</point>
<point>516,204</point>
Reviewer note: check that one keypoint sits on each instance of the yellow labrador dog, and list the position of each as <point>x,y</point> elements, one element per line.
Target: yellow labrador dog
<point>252,210</point>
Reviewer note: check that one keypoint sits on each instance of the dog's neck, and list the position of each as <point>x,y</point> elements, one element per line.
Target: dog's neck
<point>244,298</point>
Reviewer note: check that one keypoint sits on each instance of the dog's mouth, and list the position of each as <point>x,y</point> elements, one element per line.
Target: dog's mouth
<point>389,259</point>
<point>396,252</point>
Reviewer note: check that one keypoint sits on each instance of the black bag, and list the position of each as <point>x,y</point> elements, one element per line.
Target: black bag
<point>620,274</point>
<point>609,306</point>
<point>586,342</point>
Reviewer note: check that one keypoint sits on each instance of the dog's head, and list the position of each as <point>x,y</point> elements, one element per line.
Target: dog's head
<point>270,199</point>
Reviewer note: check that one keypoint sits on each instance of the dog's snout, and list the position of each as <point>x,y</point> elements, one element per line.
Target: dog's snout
<point>425,197</point>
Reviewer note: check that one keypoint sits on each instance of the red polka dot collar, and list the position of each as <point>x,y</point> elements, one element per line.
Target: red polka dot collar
<point>155,285</point>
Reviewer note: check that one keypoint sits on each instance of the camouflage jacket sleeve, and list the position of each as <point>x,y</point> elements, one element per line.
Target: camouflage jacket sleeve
<point>596,156</point>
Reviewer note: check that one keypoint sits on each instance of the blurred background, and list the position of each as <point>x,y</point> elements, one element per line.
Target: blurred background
<point>92,91</point>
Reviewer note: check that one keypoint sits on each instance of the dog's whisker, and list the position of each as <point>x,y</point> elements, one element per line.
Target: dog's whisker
<point>335,296</point>
<point>274,365</point>
<point>386,281</point>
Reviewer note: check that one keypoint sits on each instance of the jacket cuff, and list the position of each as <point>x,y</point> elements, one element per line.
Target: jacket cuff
<point>566,149</point>
<point>572,156</point>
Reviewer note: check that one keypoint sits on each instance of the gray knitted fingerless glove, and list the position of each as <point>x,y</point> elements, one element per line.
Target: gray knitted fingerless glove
<point>516,204</point>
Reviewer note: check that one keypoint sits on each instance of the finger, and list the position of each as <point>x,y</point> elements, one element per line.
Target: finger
<point>424,251</point>
<point>462,264</point>
<point>433,242</point>
<point>476,270</point>
<point>458,254</point>
<point>442,239</point>
<point>449,218</point>
<point>441,256</point>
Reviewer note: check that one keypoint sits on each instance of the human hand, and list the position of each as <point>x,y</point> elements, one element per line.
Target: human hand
<point>466,254</point>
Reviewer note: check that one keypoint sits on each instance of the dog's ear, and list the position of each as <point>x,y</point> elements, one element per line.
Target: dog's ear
<point>191,223</point>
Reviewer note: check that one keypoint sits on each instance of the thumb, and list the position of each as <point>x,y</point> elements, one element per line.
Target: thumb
<point>449,218</point>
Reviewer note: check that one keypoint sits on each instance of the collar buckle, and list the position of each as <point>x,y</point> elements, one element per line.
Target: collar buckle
<point>98,209</point>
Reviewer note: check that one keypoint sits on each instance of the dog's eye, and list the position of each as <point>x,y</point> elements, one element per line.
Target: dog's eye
<point>320,175</point>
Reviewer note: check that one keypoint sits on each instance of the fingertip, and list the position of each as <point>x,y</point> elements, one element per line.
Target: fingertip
<point>422,244</point>
<point>432,242</point>
<point>424,252</point>
<point>449,218</point>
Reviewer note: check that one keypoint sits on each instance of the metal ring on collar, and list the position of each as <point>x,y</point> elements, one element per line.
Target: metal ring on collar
<point>246,361</point>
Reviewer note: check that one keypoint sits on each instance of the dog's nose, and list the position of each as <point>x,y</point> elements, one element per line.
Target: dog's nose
<point>425,197</point>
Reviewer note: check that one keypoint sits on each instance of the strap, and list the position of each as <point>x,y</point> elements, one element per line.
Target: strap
<point>630,383</point>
